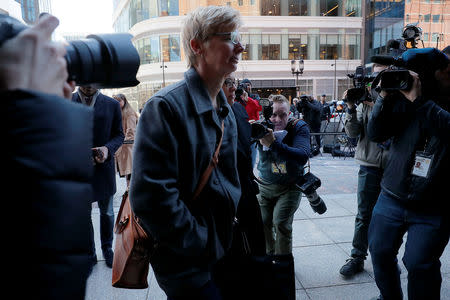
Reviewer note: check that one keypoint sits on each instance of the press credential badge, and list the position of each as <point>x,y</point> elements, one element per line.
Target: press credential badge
<point>422,164</point>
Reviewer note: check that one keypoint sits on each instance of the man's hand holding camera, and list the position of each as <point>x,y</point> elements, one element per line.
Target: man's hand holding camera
<point>40,63</point>
<point>411,94</point>
<point>268,139</point>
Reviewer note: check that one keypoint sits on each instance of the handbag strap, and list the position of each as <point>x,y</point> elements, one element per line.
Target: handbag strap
<point>212,164</point>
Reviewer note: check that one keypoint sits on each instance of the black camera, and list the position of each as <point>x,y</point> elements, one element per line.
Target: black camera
<point>396,79</point>
<point>308,184</point>
<point>423,61</point>
<point>103,60</point>
<point>259,128</point>
<point>359,92</point>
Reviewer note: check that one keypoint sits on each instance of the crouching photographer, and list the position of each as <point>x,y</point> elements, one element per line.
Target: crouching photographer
<point>413,109</point>
<point>371,158</point>
<point>283,152</point>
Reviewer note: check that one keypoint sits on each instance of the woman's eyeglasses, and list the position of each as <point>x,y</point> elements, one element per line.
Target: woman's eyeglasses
<point>229,82</point>
<point>235,37</point>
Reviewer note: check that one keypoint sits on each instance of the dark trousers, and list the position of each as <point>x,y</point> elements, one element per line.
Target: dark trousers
<point>369,179</point>
<point>106,224</point>
<point>207,292</point>
<point>316,129</point>
<point>427,237</point>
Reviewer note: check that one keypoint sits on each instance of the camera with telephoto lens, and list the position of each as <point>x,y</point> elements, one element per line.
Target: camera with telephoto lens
<point>102,60</point>
<point>259,128</point>
<point>359,92</point>
<point>425,62</point>
<point>308,184</point>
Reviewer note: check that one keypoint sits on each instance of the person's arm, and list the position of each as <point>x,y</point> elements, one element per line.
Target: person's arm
<point>154,190</point>
<point>131,122</point>
<point>435,118</point>
<point>117,135</point>
<point>300,149</point>
<point>353,120</point>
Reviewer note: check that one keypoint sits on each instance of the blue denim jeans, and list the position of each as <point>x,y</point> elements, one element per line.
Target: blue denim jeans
<point>106,224</point>
<point>369,179</point>
<point>427,237</point>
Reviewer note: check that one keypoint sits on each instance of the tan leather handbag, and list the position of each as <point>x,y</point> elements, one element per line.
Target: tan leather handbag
<point>133,246</point>
<point>131,251</point>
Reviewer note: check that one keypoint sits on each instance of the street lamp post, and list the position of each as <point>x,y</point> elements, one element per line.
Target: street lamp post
<point>163,66</point>
<point>297,66</point>
<point>334,89</point>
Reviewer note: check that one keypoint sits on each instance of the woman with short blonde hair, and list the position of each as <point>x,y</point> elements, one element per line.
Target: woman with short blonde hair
<point>177,135</point>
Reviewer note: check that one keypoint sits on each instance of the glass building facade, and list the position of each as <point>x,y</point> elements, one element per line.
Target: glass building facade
<point>384,21</point>
<point>136,11</point>
<point>274,31</point>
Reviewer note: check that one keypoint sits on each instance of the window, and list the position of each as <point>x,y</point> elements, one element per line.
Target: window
<point>407,18</point>
<point>329,46</point>
<point>298,46</point>
<point>252,2</point>
<point>426,18</point>
<point>270,8</point>
<point>241,2</point>
<point>330,7</point>
<point>426,37</point>
<point>270,47</point>
<point>436,18</point>
<point>434,36</point>
<point>437,1</point>
<point>298,8</point>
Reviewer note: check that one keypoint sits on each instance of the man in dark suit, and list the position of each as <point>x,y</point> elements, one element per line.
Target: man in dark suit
<point>108,137</point>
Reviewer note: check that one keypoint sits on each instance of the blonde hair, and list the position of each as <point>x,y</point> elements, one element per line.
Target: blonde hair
<point>279,99</point>
<point>204,21</point>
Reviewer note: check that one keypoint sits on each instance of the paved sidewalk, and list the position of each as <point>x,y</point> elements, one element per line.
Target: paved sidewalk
<point>321,244</point>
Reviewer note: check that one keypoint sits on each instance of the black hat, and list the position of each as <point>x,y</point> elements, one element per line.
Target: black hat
<point>246,81</point>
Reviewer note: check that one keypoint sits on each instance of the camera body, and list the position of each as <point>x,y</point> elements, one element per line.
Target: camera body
<point>359,92</point>
<point>103,60</point>
<point>424,62</point>
<point>259,128</point>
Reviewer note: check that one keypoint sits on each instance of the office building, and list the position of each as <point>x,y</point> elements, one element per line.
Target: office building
<point>325,33</point>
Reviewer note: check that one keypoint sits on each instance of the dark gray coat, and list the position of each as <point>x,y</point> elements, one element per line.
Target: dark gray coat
<point>176,137</point>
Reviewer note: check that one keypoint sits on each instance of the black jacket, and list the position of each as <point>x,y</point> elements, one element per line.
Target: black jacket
<point>49,171</point>
<point>419,126</point>
<point>176,137</point>
<point>248,211</point>
<point>311,111</point>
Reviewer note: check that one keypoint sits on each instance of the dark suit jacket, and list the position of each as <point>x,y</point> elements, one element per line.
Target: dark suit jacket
<point>107,132</point>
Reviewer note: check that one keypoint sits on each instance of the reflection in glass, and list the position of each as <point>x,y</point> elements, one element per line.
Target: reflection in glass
<point>170,46</point>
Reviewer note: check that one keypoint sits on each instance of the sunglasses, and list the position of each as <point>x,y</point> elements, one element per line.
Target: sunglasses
<point>235,37</point>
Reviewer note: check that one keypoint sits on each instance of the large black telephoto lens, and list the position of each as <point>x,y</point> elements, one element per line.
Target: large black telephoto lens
<point>103,60</point>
